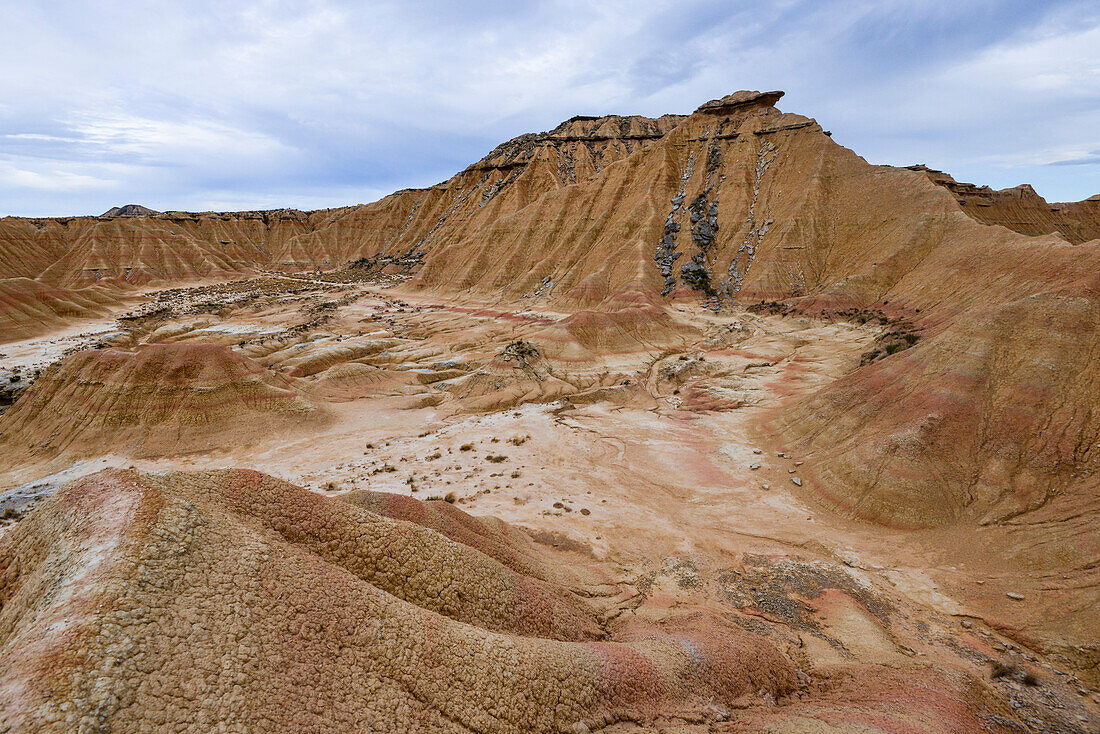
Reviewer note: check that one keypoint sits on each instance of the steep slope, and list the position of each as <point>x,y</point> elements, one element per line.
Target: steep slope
<point>153,400</point>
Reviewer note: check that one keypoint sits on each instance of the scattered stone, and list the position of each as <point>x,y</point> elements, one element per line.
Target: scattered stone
<point>767,486</point>
<point>754,467</point>
<point>967,623</point>
<point>1014,596</point>
<point>791,471</point>
<point>757,451</point>
<point>797,481</point>
<point>717,712</point>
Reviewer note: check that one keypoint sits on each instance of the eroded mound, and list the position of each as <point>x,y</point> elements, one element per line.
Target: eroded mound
<point>961,427</point>
<point>231,598</point>
<point>29,308</point>
<point>155,399</point>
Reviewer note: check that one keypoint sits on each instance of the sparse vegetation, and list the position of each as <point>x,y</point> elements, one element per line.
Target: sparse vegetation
<point>897,339</point>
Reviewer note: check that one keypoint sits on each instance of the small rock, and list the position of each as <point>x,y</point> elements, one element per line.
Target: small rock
<point>581,728</point>
<point>767,486</point>
<point>791,471</point>
<point>717,712</point>
<point>1013,595</point>
<point>757,451</point>
<point>754,466</point>
<point>798,463</point>
<point>967,623</point>
<point>585,511</point>
<point>797,481</point>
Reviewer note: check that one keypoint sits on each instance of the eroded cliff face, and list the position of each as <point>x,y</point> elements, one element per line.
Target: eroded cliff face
<point>613,219</point>
<point>143,246</point>
<point>1022,210</point>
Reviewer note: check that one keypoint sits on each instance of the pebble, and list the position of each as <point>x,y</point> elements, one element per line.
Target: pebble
<point>967,623</point>
<point>791,471</point>
<point>757,451</point>
<point>754,466</point>
<point>767,486</point>
<point>797,481</point>
<point>798,463</point>
<point>1014,595</point>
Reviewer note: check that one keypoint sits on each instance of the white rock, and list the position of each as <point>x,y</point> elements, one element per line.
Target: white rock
<point>797,481</point>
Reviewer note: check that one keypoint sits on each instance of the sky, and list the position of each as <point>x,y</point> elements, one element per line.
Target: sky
<point>229,105</point>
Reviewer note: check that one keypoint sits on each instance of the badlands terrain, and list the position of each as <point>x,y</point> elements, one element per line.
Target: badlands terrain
<point>691,424</point>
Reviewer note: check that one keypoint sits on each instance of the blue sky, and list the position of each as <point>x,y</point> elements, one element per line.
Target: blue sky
<point>238,105</point>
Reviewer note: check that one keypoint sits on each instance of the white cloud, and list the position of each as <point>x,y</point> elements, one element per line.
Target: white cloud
<point>51,179</point>
<point>245,100</point>
<point>168,140</point>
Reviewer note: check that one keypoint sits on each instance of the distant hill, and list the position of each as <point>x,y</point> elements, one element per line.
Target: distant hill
<point>129,210</point>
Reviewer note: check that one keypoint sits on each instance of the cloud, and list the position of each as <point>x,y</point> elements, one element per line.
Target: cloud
<point>1089,159</point>
<point>249,103</point>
